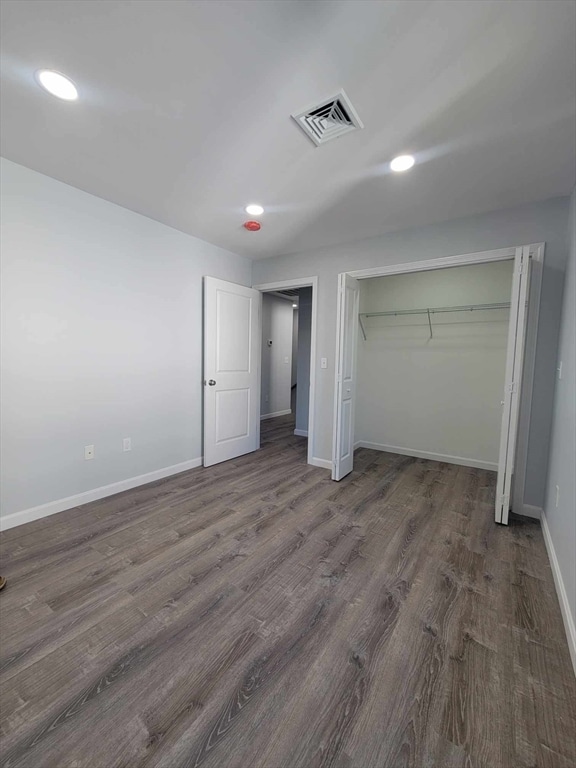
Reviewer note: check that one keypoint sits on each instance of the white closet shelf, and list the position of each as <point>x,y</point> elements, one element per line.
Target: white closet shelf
<point>429,311</point>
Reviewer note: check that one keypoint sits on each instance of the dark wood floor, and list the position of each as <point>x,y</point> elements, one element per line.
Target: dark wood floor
<point>258,614</point>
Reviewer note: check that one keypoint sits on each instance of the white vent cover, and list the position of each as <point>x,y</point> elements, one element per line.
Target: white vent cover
<point>329,120</point>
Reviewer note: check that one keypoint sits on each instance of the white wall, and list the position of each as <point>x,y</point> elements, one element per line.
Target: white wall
<point>277,322</point>
<point>538,222</point>
<point>101,340</point>
<point>560,521</point>
<point>438,397</point>
<point>303,373</point>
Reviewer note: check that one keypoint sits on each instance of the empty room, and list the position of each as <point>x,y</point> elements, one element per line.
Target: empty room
<point>288,403</point>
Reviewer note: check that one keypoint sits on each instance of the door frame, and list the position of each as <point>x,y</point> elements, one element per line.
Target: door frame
<point>536,251</point>
<point>303,282</point>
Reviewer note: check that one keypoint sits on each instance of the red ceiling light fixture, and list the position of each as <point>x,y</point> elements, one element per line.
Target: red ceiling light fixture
<point>252,226</point>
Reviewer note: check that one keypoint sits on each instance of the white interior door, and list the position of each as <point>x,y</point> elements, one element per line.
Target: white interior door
<point>347,341</point>
<point>232,317</point>
<point>514,366</point>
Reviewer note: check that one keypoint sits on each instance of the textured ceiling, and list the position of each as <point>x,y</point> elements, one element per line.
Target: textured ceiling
<point>184,110</point>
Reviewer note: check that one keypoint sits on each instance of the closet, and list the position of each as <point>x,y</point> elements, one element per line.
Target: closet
<point>431,363</point>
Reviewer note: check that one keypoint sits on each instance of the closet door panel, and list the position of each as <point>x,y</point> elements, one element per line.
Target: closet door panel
<point>511,399</point>
<point>347,339</point>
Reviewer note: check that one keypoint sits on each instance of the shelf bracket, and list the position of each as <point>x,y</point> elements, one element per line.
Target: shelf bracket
<point>430,324</point>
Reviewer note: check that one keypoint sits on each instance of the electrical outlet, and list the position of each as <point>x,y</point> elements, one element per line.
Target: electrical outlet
<point>323,362</point>
<point>127,444</point>
<point>88,452</point>
<point>557,495</point>
<point>286,360</point>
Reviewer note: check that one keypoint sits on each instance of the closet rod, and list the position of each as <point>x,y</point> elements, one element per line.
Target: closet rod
<point>430,311</point>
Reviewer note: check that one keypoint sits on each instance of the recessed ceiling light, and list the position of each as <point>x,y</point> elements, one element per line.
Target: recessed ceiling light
<point>402,163</point>
<point>254,210</point>
<point>57,84</point>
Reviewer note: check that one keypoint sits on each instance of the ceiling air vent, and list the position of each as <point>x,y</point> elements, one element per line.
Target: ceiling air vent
<point>329,120</point>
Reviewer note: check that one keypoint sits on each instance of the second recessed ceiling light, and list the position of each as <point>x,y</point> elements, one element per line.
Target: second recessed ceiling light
<point>254,210</point>
<point>402,163</point>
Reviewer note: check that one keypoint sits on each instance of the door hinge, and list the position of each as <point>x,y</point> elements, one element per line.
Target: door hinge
<point>512,388</point>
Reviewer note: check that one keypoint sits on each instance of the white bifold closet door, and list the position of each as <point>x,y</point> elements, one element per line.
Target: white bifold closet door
<point>347,336</point>
<point>347,341</point>
<point>232,322</point>
<point>513,380</point>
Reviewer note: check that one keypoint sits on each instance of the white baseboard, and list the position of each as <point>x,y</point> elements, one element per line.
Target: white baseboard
<point>528,510</point>
<point>461,460</point>
<point>301,432</point>
<point>276,413</point>
<point>324,463</point>
<point>560,591</point>
<point>52,507</point>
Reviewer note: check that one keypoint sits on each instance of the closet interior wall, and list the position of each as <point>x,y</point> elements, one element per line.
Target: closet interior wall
<point>276,376</point>
<point>434,395</point>
<point>303,362</point>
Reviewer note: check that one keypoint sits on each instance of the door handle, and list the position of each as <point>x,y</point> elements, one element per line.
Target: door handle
<point>211,383</point>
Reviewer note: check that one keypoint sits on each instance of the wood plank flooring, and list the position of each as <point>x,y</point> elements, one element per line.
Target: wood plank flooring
<point>258,615</point>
